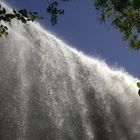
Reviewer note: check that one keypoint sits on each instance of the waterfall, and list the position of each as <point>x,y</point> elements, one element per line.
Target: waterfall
<point>51,91</point>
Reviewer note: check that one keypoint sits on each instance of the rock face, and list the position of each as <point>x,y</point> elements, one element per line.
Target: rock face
<point>50,91</point>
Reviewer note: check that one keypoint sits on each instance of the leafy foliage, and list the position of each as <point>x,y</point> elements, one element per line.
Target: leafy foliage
<point>138,85</point>
<point>22,15</point>
<point>124,15</point>
<point>54,12</point>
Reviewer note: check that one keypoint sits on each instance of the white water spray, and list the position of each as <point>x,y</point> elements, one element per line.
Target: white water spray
<point>50,91</point>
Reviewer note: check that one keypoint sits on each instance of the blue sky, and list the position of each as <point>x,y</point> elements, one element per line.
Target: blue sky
<point>80,28</point>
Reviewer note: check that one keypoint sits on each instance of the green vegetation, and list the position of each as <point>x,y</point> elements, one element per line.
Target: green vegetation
<point>21,15</point>
<point>25,16</point>
<point>124,15</point>
<point>138,85</point>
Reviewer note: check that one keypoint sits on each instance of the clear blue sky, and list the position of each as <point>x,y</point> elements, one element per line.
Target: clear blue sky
<point>80,28</point>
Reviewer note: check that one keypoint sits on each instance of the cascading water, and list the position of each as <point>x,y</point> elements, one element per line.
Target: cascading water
<point>49,91</point>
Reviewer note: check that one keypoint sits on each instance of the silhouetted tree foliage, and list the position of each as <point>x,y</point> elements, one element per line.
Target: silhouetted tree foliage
<point>24,16</point>
<point>122,14</point>
<point>54,12</point>
<point>138,85</point>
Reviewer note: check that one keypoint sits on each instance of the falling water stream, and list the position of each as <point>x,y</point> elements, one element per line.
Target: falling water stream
<point>50,91</point>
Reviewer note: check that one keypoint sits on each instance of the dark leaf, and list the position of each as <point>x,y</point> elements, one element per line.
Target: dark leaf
<point>139,92</point>
<point>138,84</point>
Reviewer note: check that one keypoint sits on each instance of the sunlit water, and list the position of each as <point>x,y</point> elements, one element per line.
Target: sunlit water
<point>50,91</point>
